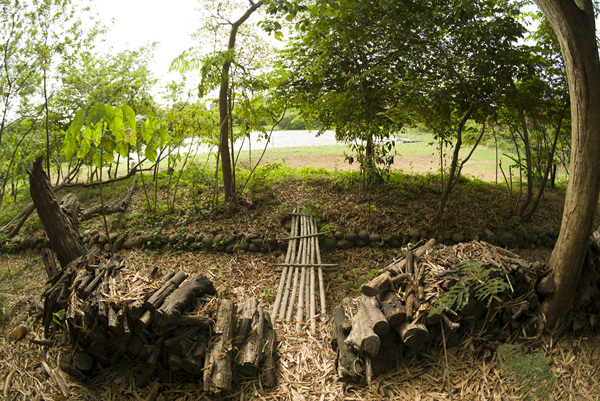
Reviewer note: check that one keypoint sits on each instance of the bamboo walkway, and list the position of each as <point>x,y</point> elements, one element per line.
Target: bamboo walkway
<point>301,271</point>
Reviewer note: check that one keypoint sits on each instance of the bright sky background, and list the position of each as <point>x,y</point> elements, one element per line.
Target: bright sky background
<point>139,22</point>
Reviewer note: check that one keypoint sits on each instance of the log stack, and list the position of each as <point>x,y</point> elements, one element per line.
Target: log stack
<point>391,321</point>
<point>172,324</point>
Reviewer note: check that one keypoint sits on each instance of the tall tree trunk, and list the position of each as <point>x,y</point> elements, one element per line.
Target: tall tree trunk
<point>224,109</point>
<point>64,238</point>
<point>573,22</point>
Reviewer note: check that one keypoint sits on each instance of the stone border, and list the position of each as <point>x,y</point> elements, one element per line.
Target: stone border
<point>520,237</point>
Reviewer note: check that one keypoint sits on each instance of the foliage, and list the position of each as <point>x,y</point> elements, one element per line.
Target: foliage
<point>479,283</point>
<point>529,372</point>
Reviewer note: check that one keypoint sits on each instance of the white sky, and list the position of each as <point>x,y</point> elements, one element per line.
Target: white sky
<point>139,22</point>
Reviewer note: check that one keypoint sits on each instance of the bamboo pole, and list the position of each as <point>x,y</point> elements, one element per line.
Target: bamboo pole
<point>290,310</point>
<point>321,281</point>
<point>284,273</point>
<point>293,243</point>
<point>300,313</point>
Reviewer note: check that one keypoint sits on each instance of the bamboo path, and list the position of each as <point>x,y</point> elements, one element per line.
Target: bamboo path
<point>300,273</point>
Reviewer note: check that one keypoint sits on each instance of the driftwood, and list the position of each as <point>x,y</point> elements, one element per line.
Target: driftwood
<point>217,367</point>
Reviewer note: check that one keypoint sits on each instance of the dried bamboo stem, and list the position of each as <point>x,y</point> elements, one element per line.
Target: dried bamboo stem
<point>290,310</point>
<point>300,313</point>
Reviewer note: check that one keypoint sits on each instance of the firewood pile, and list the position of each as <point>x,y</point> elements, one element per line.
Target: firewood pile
<point>109,310</point>
<point>437,295</point>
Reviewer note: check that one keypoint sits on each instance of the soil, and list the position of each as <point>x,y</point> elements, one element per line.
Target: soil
<point>306,364</point>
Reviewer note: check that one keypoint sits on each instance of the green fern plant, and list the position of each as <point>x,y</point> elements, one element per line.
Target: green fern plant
<point>483,287</point>
<point>530,373</point>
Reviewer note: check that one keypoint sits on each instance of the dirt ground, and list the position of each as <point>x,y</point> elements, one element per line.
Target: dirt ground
<point>306,360</point>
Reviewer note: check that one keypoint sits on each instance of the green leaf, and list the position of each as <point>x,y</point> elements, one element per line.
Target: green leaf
<point>130,116</point>
<point>150,152</point>
<point>279,35</point>
<point>97,160</point>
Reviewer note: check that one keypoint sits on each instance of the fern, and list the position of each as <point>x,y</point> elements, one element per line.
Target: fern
<point>530,373</point>
<point>484,287</point>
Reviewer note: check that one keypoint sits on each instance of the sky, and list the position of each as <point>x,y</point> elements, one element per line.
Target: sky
<point>139,22</point>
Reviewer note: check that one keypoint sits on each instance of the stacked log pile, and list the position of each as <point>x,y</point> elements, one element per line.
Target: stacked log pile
<point>108,310</point>
<point>393,318</point>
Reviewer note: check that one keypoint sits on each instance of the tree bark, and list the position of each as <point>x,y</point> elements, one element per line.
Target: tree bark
<point>224,109</point>
<point>574,24</point>
<point>64,239</point>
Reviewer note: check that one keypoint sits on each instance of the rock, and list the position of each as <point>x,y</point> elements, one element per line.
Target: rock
<point>252,247</point>
<point>330,244</point>
<point>375,238</point>
<point>344,244</point>
<point>207,241</point>
<point>230,239</point>
<point>363,235</point>
<point>447,235</point>
<point>106,247</point>
<point>102,240</point>
<point>128,243</point>
<point>219,239</point>
<point>521,243</point>
<point>173,239</point>
<point>505,238</point>
<point>458,237</point>
<point>338,235</point>
<point>189,238</point>
<point>113,237</point>
<point>414,233</point>
<point>119,242</point>
<point>252,236</point>
<point>352,236</point>
<point>195,245</point>
<point>489,236</point>
<point>387,238</point>
<point>244,245</point>
<point>257,241</point>
<point>359,242</point>
<point>230,248</point>
<point>288,225</point>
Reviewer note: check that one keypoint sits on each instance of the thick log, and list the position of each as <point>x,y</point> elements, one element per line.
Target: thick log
<point>267,374</point>
<point>183,320</point>
<point>248,358</point>
<point>157,299</point>
<point>183,297</point>
<point>348,366</point>
<point>217,367</point>
<point>392,308</point>
<point>377,285</point>
<point>414,335</point>
<point>249,310</point>
<point>64,238</point>
<point>378,322</point>
<point>362,337</point>
<point>194,360</point>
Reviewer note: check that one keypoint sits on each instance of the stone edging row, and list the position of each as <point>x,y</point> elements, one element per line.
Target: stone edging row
<point>519,238</point>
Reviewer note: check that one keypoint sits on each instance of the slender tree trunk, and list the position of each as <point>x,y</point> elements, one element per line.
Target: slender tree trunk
<point>224,110</point>
<point>573,22</point>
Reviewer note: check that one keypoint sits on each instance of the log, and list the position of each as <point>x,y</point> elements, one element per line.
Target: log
<point>348,366</point>
<point>249,310</point>
<point>362,337</point>
<point>248,358</point>
<point>377,320</point>
<point>183,297</point>
<point>267,374</point>
<point>193,363</point>
<point>377,285</point>
<point>414,335</point>
<point>64,238</point>
<point>217,366</point>
<point>157,299</point>
<point>49,258</point>
<point>392,308</point>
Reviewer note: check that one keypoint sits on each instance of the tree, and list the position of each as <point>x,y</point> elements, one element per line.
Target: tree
<point>574,24</point>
